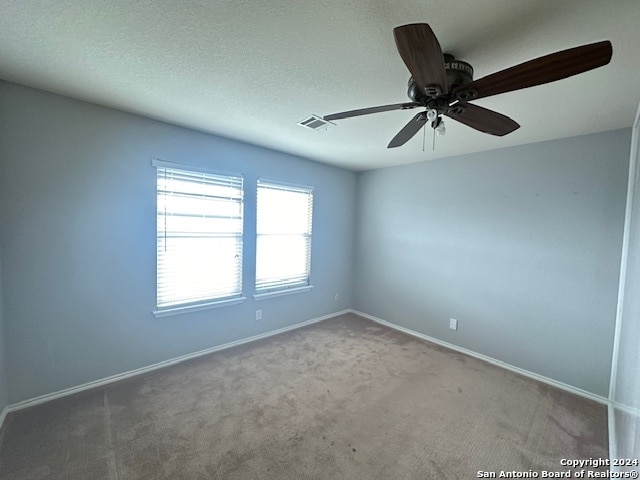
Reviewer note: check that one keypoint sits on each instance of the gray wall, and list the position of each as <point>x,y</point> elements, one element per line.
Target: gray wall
<point>625,389</point>
<point>77,197</point>
<point>521,245</point>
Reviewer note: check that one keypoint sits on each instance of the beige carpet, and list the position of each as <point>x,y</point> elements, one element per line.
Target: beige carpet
<point>342,399</point>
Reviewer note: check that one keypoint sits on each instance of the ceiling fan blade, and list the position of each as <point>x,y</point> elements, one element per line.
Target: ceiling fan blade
<point>483,119</point>
<point>421,53</point>
<point>409,130</point>
<point>367,111</point>
<point>549,68</point>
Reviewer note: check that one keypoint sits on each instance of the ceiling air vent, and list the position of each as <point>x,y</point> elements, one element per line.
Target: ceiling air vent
<point>315,122</point>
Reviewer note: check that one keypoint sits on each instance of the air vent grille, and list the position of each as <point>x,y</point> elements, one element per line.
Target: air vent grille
<point>314,122</point>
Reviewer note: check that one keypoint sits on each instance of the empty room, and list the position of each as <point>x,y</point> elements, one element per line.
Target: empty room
<point>323,240</point>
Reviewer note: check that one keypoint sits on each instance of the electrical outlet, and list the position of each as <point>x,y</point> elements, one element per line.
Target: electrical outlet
<point>336,297</point>
<point>453,324</point>
<point>258,314</point>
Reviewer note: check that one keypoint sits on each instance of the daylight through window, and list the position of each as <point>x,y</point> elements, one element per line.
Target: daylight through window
<point>283,245</point>
<point>199,236</point>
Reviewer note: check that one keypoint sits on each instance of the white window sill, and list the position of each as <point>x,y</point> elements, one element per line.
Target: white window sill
<point>166,312</point>
<point>279,293</point>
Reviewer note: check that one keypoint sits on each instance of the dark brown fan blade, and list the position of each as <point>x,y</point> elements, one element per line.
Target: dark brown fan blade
<point>409,130</point>
<point>549,68</point>
<point>483,119</point>
<point>367,111</point>
<point>421,53</point>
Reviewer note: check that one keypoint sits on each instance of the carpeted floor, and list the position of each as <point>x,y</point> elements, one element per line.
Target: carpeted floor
<point>342,399</point>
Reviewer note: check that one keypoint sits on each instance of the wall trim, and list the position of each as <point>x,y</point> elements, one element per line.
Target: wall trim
<point>625,408</point>
<point>549,381</point>
<point>611,416</point>
<point>140,371</point>
<point>611,425</point>
<point>3,415</point>
<point>631,192</point>
<point>156,366</point>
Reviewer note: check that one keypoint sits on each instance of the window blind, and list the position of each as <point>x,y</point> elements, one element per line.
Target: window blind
<point>283,243</point>
<point>199,236</point>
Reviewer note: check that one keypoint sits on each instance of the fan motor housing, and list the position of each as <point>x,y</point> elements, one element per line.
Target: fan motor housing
<point>457,71</point>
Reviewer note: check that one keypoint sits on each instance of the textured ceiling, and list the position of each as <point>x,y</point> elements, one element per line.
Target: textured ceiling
<point>251,69</point>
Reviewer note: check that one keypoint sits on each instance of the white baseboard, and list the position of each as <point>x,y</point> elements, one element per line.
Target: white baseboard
<point>493,361</point>
<point>156,366</point>
<point>133,373</point>
<point>611,428</point>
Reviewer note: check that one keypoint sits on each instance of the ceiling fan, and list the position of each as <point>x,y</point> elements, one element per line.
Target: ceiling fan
<point>444,85</point>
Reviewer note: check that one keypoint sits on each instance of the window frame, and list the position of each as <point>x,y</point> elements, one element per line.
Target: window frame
<point>209,302</point>
<point>294,287</point>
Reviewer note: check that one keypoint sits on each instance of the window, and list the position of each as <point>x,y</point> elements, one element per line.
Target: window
<point>283,245</point>
<point>199,236</point>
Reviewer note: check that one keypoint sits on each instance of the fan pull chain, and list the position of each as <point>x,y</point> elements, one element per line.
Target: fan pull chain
<point>432,119</point>
<point>433,147</point>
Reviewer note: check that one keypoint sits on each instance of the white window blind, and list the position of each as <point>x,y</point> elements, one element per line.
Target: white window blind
<point>199,230</point>
<point>283,245</point>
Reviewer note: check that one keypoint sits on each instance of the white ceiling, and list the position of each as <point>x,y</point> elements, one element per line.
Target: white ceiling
<point>251,69</point>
